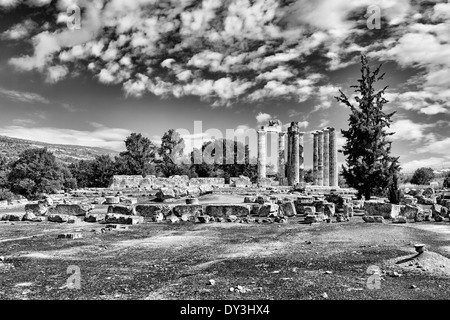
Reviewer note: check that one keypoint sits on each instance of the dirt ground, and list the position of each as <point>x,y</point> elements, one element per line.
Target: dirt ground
<point>276,261</point>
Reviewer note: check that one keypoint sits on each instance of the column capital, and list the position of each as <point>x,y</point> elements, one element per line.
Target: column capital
<point>262,131</point>
<point>331,129</point>
<point>282,133</point>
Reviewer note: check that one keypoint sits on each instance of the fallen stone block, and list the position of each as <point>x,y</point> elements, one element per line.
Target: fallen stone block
<point>262,199</point>
<point>40,219</point>
<point>287,209</point>
<point>61,218</point>
<point>121,209</point>
<point>385,210</point>
<point>437,209</point>
<point>204,218</point>
<point>150,210</point>
<point>118,227</point>
<point>13,216</point>
<point>309,210</point>
<point>232,218</point>
<point>312,218</point>
<point>226,210</point>
<point>38,209</point>
<point>72,236</point>
<point>241,182</point>
<point>115,218</point>
<point>165,194</point>
<point>249,199</point>
<point>269,210</point>
<point>112,200</point>
<point>158,217</point>
<point>95,217</point>
<point>188,210</point>
<point>399,219</point>
<point>99,201</point>
<point>438,218</point>
<point>128,201</point>
<point>373,219</point>
<point>329,209</point>
<point>71,209</point>
<point>220,182</point>
<point>192,201</point>
<point>29,216</point>
<point>410,212</point>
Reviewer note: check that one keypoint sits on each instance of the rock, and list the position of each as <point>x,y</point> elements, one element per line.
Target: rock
<point>287,208</point>
<point>225,210</point>
<point>410,212</point>
<point>122,209</point>
<point>95,217</point>
<point>438,218</point>
<point>312,218</point>
<point>241,182</point>
<point>192,201</point>
<point>128,201</point>
<point>29,216</point>
<point>115,218</point>
<point>173,219</point>
<point>72,236</point>
<point>329,209</point>
<point>112,200</point>
<point>99,201</point>
<point>399,219</point>
<point>71,209</point>
<point>188,210</point>
<point>249,199</point>
<point>437,209</point>
<point>262,199</point>
<point>158,216</point>
<point>13,216</point>
<point>232,218</point>
<point>149,210</point>
<point>59,218</point>
<point>324,295</point>
<point>309,210</point>
<point>38,209</point>
<point>281,219</point>
<point>165,194</point>
<point>268,210</point>
<point>204,218</point>
<point>212,282</point>
<point>348,209</point>
<point>373,219</point>
<point>385,210</point>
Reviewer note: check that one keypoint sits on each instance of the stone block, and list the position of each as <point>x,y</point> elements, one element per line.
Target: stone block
<point>121,209</point>
<point>225,210</point>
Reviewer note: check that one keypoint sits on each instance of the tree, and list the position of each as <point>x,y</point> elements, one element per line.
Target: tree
<point>446,183</point>
<point>309,177</point>
<point>4,170</point>
<point>97,173</point>
<point>370,168</point>
<point>37,171</point>
<point>139,157</point>
<point>172,155</point>
<point>422,176</point>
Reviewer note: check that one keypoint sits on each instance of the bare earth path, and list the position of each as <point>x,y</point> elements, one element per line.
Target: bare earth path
<point>162,261</point>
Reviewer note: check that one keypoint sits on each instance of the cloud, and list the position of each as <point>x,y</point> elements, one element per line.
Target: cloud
<point>19,31</point>
<point>405,129</point>
<point>100,136</point>
<point>432,162</point>
<point>263,118</point>
<point>22,96</point>
<point>436,147</point>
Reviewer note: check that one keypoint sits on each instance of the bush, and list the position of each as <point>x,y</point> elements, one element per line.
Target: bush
<point>447,181</point>
<point>6,195</point>
<point>422,176</point>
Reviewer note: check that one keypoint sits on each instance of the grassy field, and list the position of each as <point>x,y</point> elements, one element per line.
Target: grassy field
<point>162,261</point>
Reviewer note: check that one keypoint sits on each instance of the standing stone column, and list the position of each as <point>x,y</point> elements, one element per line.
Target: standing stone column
<point>295,156</point>
<point>315,156</point>
<point>281,155</point>
<point>289,156</point>
<point>302,157</point>
<point>262,154</point>
<point>333,158</point>
<point>320,159</point>
<point>326,157</point>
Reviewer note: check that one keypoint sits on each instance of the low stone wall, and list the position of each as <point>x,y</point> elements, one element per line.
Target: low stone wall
<point>207,181</point>
<point>149,182</point>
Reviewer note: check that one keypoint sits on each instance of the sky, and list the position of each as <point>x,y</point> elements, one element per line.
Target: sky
<point>92,72</point>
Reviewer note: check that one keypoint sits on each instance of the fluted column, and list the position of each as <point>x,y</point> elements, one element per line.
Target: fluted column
<point>326,157</point>
<point>262,154</point>
<point>315,157</point>
<point>289,157</point>
<point>302,157</point>
<point>281,155</point>
<point>320,159</point>
<point>333,158</point>
<point>295,156</point>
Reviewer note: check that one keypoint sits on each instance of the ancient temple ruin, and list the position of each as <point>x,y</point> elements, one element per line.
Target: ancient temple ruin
<point>291,170</point>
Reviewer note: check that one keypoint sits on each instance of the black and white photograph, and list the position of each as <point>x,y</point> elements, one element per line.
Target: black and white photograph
<point>230,152</point>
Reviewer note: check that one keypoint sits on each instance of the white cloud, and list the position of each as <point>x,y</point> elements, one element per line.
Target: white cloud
<point>101,136</point>
<point>432,162</point>
<point>22,96</point>
<point>263,117</point>
<point>406,129</point>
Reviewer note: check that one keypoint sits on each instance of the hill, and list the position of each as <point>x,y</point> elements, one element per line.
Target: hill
<point>12,147</point>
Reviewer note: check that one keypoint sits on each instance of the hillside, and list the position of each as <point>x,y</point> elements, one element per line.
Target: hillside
<point>12,147</point>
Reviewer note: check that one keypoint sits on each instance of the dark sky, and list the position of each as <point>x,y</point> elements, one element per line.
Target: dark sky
<point>149,66</point>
